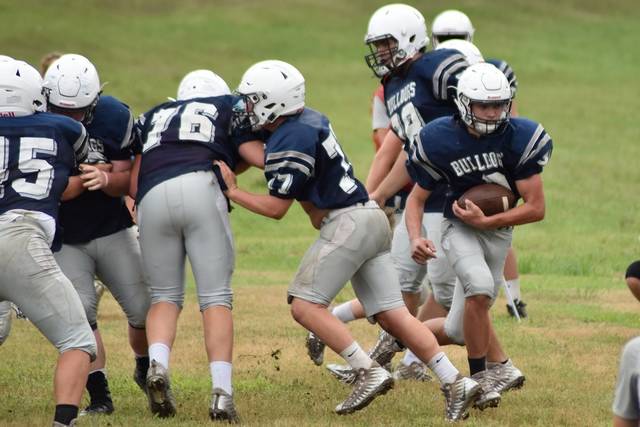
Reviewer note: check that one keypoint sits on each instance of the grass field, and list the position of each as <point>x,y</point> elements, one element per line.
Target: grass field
<point>577,70</point>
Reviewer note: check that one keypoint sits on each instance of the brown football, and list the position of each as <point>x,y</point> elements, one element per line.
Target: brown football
<point>490,198</point>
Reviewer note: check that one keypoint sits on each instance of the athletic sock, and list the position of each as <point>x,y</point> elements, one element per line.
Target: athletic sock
<point>443,368</point>
<point>343,312</point>
<point>477,365</point>
<point>98,387</point>
<point>356,357</point>
<point>160,353</point>
<point>221,375</point>
<point>65,414</point>
<point>410,358</point>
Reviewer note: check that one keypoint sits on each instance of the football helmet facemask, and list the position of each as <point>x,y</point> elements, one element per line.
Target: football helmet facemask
<point>270,89</point>
<point>20,89</point>
<point>72,86</point>
<point>395,34</point>
<point>483,83</point>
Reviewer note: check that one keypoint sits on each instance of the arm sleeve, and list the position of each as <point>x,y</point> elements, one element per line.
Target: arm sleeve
<point>288,168</point>
<point>445,77</point>
<point>379,115</point>
<point>535,155</point>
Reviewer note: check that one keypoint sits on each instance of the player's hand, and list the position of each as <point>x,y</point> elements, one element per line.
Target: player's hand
<point>93,177</point>
<point>228,176</point>
<point>376,198</point>
<point>422,250</point>
<point>471,215</point>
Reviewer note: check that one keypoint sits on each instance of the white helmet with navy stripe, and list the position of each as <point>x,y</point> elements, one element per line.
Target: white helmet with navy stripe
<point>271,89</point>
<point>469,50</point>
<point>202,83</point>
<point>20,89</point>
<point>451,24</point>
<point>483,83</point>
<point>396,33</point>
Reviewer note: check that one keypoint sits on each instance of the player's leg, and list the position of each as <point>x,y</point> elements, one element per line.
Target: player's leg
<point>210,248</point>
<point>46,296</point>
<point>374,286</point>
<point>119,266</point>
<point>512,281</point>
<point>163,260</point>
<point>77,262</point>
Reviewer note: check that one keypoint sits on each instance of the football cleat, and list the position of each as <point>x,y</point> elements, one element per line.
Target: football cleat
<point>315,349</point>
<point>344,373</point>
<point>369,384</point>
<point>384,350</point>
<point>5,320</point>
<point>222,407</point>
<point>459,396</point>
<point>489,398</point>
<point>521,306</point>
<point>415,371</point>
<point>504,377</point>
<point>140,373</point>
<point>161,401</point>
<point>104,407</point>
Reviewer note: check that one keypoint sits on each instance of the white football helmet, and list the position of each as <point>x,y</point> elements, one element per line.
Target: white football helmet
<point>271,89</point>
<point>201,84</point>
<point>72,84</point>
<point>483,83</point>
<point>469,50</point>
<point>395,34</point>
<point>5,58</point>
<point>20,89</point>
<point>451,24</point>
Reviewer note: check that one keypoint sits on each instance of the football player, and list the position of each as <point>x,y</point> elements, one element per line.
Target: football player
<point>626,407</point>
<point>39,150</point>
<point>480,144</point>
<point>304,162</point>
<point>453,25</point>
<point>183,212</point>
<point>98,237</point>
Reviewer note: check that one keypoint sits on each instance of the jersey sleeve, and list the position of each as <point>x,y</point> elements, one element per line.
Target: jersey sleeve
<point>137,135</point>
<point>77,136</point>
<point>289,167</point>
<point>379,115</point>
<point>626,399</point>
<point>508,72</point>
<point>421,168</point>
<point>119,140</point>
<point>535,155</point>
<point>445,76</point>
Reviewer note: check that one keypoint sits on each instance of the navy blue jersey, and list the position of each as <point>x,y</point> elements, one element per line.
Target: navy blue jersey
<point>445,151</point>
<point>507,71</point>
<point>304,161</point>
<point>95,214</point>
<point>420,94</point>
<point>180,137</point>
<point>37,155</point>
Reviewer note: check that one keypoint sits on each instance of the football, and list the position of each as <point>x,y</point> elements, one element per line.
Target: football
<point>490,198</point>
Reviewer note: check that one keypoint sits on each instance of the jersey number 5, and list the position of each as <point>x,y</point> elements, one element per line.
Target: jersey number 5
<point>29,164</point>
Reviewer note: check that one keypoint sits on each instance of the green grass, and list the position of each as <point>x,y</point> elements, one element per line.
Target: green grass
<point>577,66</point>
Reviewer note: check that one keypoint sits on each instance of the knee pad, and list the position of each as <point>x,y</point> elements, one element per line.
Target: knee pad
<point>633,270</point>
<point>478,281</point>
<point>222,297</point>
<point>81,340</point>
<point>454,330</point>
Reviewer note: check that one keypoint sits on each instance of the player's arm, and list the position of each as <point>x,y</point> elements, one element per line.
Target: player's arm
<point>422,249</point>
<point>397,178</point>
<point>384,160</point>
<point>74,188</point>
<point>252,154</point>
<point>532,210</point>
<point>263,204</point>
<point>133,176</point>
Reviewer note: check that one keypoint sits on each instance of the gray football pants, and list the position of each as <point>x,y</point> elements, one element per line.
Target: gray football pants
<point>31,278</point>
<point>477,257</point>
<point>187,216</point>
<point>115,259</point>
